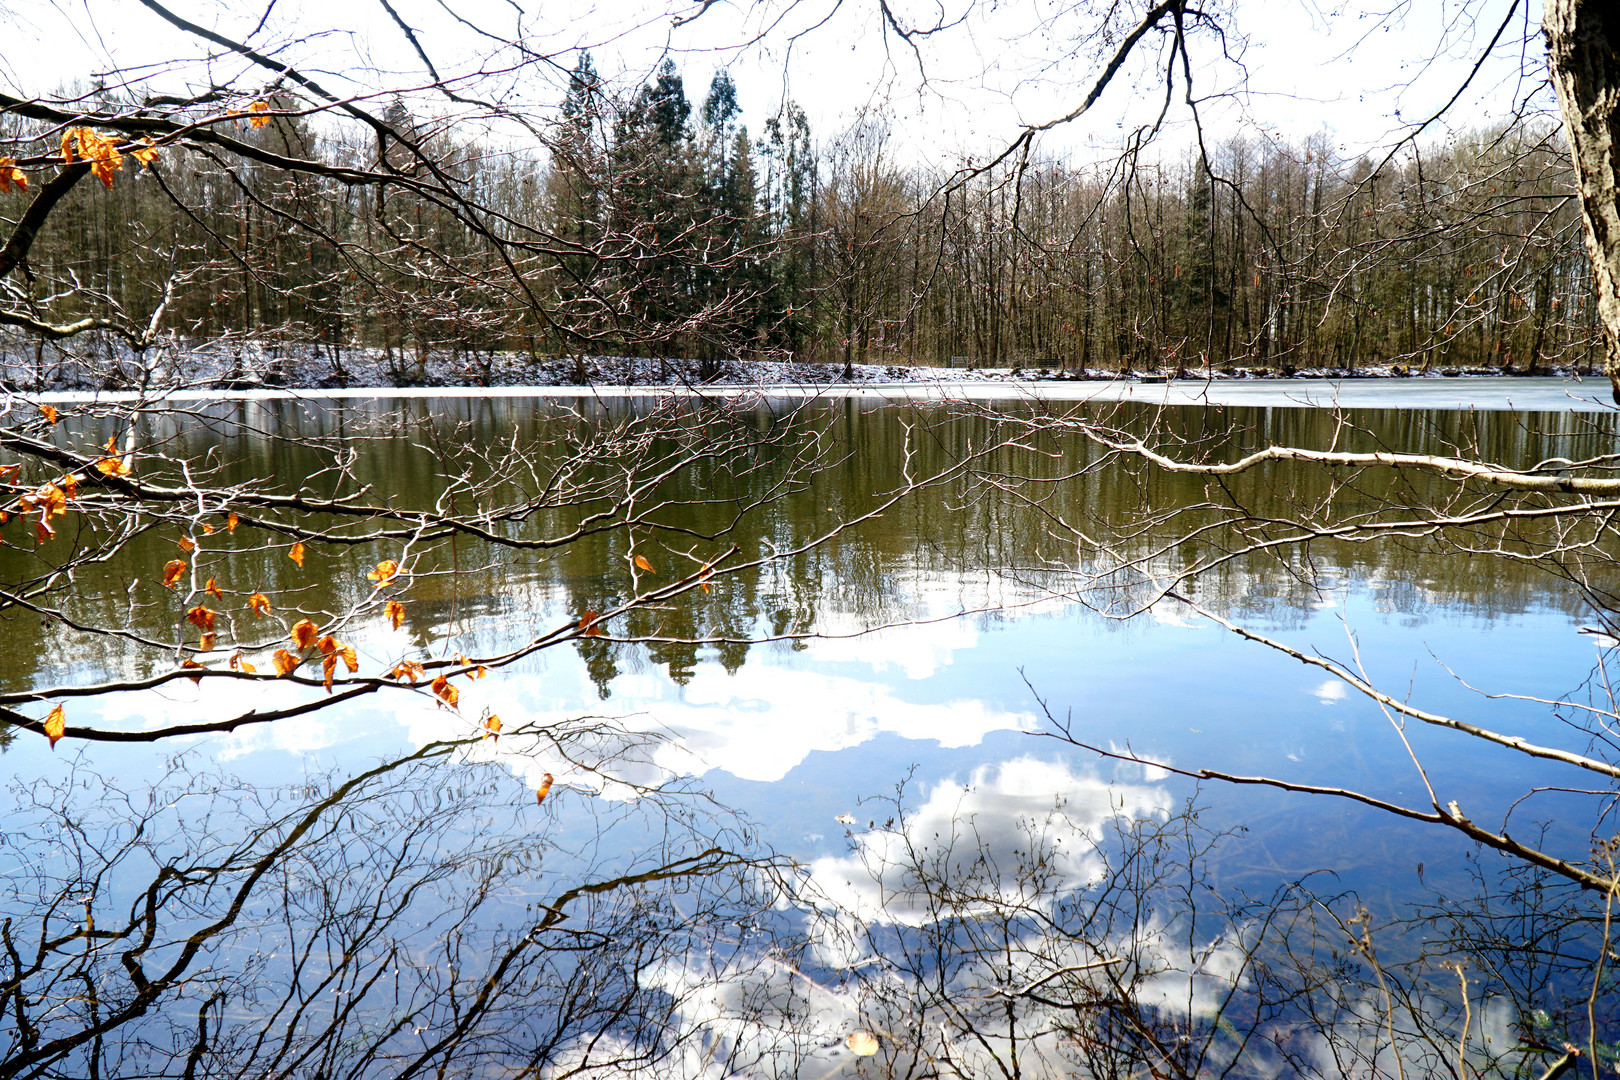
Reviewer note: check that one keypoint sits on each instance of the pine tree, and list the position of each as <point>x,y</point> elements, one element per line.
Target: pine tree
<point>791,185</point>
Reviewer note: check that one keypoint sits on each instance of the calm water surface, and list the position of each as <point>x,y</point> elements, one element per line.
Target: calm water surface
<point>770,744</point>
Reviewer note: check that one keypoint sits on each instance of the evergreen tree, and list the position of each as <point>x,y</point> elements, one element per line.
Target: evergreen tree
<point>667,109</point>
<point>577,179</point>
<point>790,214</point>
<point>582,107</point>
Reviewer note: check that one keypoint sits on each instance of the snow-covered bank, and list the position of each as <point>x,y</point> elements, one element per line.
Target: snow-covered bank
<point>101,365</point>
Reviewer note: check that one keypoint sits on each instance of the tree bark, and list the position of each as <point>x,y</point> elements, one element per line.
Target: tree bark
<point>1583,52</point>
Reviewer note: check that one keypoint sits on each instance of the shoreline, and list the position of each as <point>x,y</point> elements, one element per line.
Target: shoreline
<point>239,369</point>
<point>1541,393</point>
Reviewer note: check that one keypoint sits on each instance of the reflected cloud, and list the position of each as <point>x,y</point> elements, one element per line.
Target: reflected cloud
<point>757,725</point>
<point>764,1018</point>
<point>961,834</point>
<point>920,651</point>
<point>1331,691</point>
<point>1174,613</point>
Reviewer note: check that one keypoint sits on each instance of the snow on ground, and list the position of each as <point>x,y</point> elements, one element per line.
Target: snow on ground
<point>96,364</point>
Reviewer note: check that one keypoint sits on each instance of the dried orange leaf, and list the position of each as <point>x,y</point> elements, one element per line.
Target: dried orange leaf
<point>238,663</point>
<point>232,522</point>
<point>55,725</point>
<point>42,527</point>
<point>407,670</point>
<point>9,175</point>
<point>259,604</point>
<point>492,727</point>
<point>70,486</point>
<point>478,670</point>
<point>172,571</point>
<point>351,659</point>
<point>543,790</point>
<point>212,588</point>
<point>297,553</point>
<point>446,693</point>
<point>395,611</point>
<point>587,623</point>
<point>189,663</point>
<point>186,544</point>
<point>328,645</point>
<point>104,169</point>
<point>285,662</point>
<point>208,530</point>
<point>49,411</point>
<point>52,498</point>
<point>206,642</point>
<point>386,571</point>
<point>114,463</point>
<point>643,564</point>
<point>146,153</point>
<point>256,110</point>
<point>101,151</point>
<point>304,633</point>
<point>328,666</point>
<point>201,617</point>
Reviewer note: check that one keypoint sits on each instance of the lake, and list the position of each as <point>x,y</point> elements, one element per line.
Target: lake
<point>821,798</point>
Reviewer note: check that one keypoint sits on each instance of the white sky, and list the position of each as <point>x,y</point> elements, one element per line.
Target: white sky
<point>1295,67</point>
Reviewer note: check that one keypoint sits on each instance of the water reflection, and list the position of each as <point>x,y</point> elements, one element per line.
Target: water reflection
<point>422,914</point>
<point>923,557</point>
<point>958,854</point>
<point>425,914</point>
<point>1012,911</point>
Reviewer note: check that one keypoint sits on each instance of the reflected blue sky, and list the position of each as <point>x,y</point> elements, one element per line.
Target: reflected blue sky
<point>798,737</point>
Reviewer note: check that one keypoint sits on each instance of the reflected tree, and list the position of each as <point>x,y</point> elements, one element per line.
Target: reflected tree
<point>421,916</point>
<point>289,570</point>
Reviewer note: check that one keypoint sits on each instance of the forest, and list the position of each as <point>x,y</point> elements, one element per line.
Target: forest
<point>654,224</point>
<point>849,731</point>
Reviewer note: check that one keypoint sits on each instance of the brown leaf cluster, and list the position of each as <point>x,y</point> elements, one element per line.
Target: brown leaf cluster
<point>102,152</point>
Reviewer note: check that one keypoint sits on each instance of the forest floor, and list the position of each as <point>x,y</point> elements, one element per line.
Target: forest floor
<point>246,365</point>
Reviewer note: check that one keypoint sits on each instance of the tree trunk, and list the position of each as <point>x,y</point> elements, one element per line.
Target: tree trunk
<point>1583,52</point>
